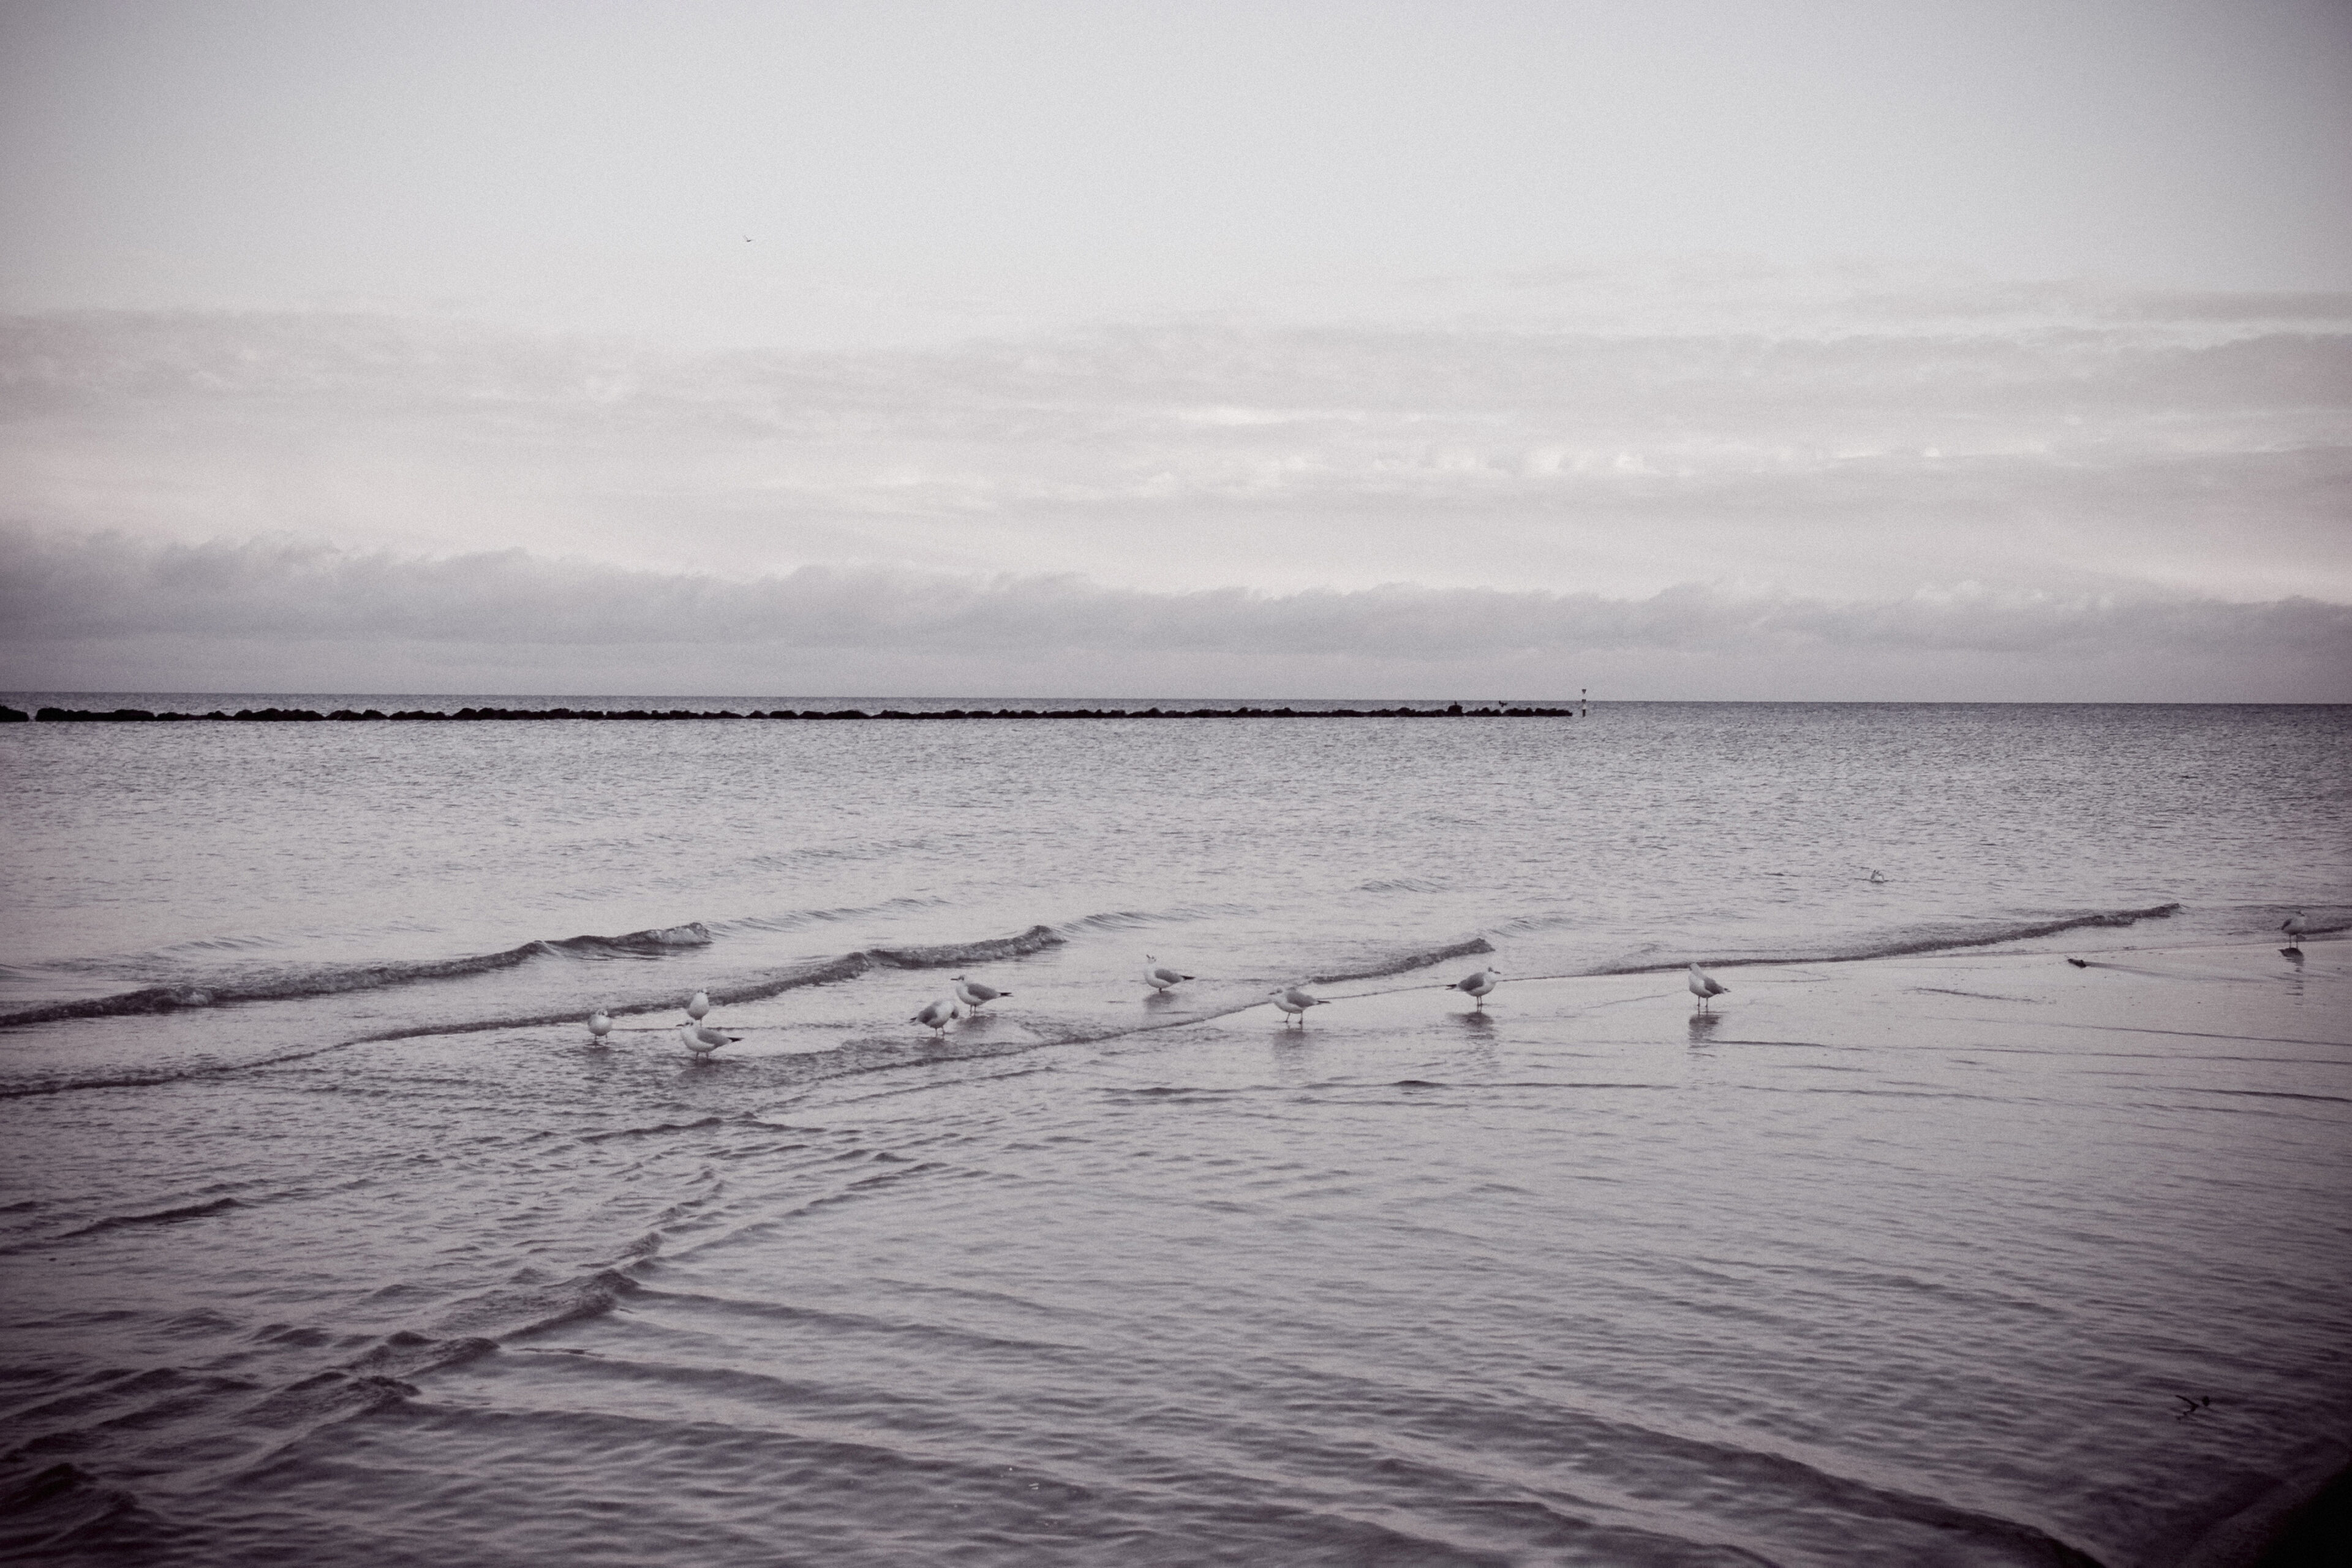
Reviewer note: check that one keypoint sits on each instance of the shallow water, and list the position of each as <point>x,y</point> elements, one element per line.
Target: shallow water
<point>1102,1276</point>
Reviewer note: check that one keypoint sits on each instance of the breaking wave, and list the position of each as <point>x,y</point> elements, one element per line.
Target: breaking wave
<point>330,980</point>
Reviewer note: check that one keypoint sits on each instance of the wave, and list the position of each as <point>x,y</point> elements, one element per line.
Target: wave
<point>336,979</point>
<point>159,1216</point>
<point>50,1507</point>
<point>775,983</point>
<point>1400,963</point>
<point>794,920</point>
<point>1953,939</point>
<point>1402,885</point>
<point>1136,920</point>
<point>1946,939</point>
<point>329,980</point>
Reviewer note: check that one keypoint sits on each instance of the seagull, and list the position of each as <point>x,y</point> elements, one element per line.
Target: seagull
<point>702,1038</point>
<point>1477,986</point>
<point>975,996</point>
<point>2080,962</point>
<point>2191,1407</point>
<point>698,1007</point>
<point>1159,976</point>
<point>1705,986</point>
<point>1294,1002</point>
<point>2294,927</point>
<point>600,1023</point>
<point>938,1015</point>
<point>1876,875</point>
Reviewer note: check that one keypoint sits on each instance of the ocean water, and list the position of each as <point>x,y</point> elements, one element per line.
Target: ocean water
<point>328,1235</point>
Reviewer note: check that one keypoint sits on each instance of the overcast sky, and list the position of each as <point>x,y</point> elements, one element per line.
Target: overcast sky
<point>1808,349</point>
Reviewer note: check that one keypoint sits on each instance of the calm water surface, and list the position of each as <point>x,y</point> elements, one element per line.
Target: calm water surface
<point>330,1236</point>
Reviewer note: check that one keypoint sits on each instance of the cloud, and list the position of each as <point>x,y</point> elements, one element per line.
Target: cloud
<point>1858,457</point>
<point>1871,483</point>
<point>103,591</point>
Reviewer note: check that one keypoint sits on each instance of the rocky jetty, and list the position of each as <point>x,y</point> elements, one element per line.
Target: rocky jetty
<point>310,716</point>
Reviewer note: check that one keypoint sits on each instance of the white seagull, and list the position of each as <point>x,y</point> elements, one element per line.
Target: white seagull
<point>600,1023</point>
<point>1477,986</point>
<point>2294,927</point>
<point>703,1038</point>
<point>938,1015</point>
<point>1159,976</point>
<point>1293,1002</point>
<point>1705,986</point>
<point>699,1005</point>
<point>975,996</point>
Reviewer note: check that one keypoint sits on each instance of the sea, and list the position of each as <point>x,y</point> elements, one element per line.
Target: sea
<point>329,1234</point>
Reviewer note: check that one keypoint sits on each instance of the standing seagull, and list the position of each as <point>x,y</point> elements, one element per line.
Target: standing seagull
<point>703,1038</point>
<point>1477,986</point>
<point>2294,927</point>
<point>938,1015</point>
<point>975,996</point>
<point>1159,976</point>
<point>699,1005</point>
<point>1705,986</point>
<point>600,1023</point>
<point>1293,1002</point>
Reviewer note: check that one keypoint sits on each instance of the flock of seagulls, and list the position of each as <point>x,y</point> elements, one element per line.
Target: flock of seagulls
<point>970,995</point>
<point>1291,1001</point>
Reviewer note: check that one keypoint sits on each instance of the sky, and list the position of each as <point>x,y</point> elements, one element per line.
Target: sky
<point>1805,350</point>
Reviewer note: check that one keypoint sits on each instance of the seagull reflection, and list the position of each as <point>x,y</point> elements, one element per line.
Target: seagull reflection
<point>1702,1024</point>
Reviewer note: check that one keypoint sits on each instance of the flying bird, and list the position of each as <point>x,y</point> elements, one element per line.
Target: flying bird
<point>975,996</point>
<point>938,1015</point>
<point>1705,986</point>
<point>2295,926</point>
<point>600,1023</point>
<point>1293,1002</point>
<point>1159,976</point>
<point>704,1039</point>
<point>1477,986</point>
<point>699,1005</point>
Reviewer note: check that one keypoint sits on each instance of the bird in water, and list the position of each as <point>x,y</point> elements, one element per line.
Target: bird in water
<point>975,996</point>
<point>600,1023</point>
<point>698,1007</point>
<point>2080,962</point>
<point>1876,875</point>
<point>1293,1000</point>
<point>938,1015</point>
<point>1705,986</point>
<point>2295,926</point>
<point>704,1039</point>
<point>1477,986</point>
<point>1159,976</point>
